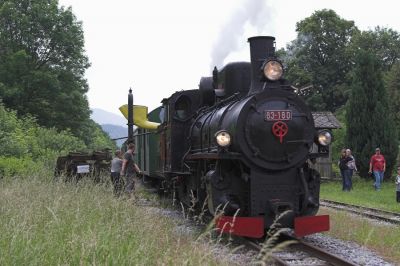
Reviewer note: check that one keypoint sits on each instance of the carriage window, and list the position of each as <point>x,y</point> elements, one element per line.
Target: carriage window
<point>182,107</point>
<point>162,115</point>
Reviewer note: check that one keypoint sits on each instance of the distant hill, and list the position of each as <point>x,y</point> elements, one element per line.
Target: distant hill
<point>103,117</point>
<point>115,131</point>
<point>114,125</point>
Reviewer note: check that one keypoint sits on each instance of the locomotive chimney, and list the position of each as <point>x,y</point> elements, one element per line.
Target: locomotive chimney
<point>130,117</point>
<point>261,47</point>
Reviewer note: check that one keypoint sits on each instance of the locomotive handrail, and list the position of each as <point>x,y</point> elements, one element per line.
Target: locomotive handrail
<point>224,101</point>
<point>306,190</point>
<point>207,155</point>
<point>224,113</point>
<point>207,121</point>
<point>147,133</point>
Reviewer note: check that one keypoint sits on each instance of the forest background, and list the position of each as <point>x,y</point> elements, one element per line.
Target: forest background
<point>44,110</point>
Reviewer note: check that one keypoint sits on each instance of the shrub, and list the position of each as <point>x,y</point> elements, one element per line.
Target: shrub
<point>26,147</point>
<point>20,167</point>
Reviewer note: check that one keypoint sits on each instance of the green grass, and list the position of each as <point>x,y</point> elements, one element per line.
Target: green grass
<point>381,238</point>
<point>384,239</point>
<point>363,194</point>
<point>54,223</point>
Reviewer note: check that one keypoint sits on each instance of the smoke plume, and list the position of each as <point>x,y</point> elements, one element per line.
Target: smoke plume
<point>254,12</point>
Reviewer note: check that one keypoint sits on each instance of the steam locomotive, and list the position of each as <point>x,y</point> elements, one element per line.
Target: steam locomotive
<point>243,143</point>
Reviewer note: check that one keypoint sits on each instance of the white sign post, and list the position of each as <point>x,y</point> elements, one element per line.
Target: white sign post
<point>82,169</point>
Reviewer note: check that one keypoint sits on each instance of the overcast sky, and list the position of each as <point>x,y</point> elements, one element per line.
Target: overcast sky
<point>159,47</point>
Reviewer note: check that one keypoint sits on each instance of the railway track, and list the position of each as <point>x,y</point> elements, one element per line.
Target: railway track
<point>376,214</point>
<point>301,253</point>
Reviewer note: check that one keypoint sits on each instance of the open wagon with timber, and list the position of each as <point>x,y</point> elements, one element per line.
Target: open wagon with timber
<point>77,165</point>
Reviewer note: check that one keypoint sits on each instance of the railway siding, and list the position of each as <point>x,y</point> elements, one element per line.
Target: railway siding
<point>372,213</point>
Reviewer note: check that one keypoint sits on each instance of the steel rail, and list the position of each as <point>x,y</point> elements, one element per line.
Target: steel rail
<point>321,254</point>
<point>301,245</point>
<point>376,214</point>
<point>278,261</point>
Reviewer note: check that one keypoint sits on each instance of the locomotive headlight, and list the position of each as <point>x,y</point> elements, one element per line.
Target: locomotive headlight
<point>273,70</point>
<point>223,138</point>
<point>324,138</point>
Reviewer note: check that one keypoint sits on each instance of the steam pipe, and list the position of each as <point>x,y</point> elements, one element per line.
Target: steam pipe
<point>261,48</point>
<point>306,190</point>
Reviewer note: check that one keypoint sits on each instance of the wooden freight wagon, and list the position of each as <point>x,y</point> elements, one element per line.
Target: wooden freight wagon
<point>77,165</point>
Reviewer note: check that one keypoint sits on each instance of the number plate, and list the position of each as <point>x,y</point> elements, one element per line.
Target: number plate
<point>278,115</point>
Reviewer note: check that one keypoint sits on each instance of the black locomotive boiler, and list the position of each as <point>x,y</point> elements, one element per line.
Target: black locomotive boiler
<point>244,143</point>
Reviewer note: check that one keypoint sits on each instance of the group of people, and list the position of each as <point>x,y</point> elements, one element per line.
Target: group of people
<point>347,165</point>
<point>124,170</point>
<point>377,167</point>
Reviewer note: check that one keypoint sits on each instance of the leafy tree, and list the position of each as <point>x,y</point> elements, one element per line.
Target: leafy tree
<point>319,57</point>
<point>392,83</point>
<point>42,63</point>
<point>369,122</point>
<point>22,137</point>
<point>42,66</point>
<point>383,42</point>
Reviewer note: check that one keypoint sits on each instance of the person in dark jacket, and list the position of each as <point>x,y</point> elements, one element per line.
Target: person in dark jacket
<point>129,169</point>
<point>344,170</point>
<point>352,167</point>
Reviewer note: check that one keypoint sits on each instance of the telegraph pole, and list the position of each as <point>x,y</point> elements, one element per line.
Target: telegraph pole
<point>130,117</point>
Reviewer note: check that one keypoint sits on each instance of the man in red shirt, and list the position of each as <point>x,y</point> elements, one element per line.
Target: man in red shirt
<point>377,165</point>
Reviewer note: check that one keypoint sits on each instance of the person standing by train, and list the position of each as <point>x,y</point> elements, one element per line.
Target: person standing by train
<point>116,165</point>
<point>377,165</point>
<point>352,167</point>
<point>342,154</point>
<point>129,169</point>
<point>344,170</point>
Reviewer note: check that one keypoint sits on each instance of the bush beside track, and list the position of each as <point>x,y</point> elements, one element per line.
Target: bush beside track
<point>27,148</point>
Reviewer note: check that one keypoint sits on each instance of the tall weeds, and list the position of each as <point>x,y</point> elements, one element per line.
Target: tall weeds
<point>43,222</point>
